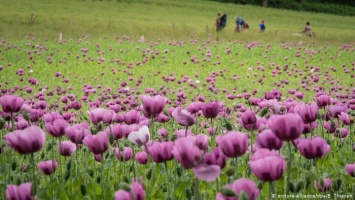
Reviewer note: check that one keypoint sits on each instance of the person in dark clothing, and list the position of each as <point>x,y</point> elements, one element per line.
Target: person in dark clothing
<point>217,22</point>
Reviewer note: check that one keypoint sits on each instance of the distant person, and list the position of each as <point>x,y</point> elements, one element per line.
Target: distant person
<point>239,24</point>
<point>261,26</point>
<point>220,22</point>
<point>307,29</point>
<point>217,22</point>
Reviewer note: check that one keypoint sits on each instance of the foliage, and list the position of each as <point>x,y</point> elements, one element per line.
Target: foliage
<point>321,6</point>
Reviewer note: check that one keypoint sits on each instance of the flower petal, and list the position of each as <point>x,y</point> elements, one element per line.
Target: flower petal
<point>206,172</point>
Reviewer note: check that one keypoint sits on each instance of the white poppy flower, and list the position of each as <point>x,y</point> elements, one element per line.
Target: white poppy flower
<point>140,137</point>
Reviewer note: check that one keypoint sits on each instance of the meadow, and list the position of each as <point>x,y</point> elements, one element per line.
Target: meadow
<point>138,100</point>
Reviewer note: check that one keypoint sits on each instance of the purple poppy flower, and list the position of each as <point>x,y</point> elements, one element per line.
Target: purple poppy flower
<point>286,127</point>
<point>21,192</point>
<point>152,106</point>
<point>161,151</point>
<point>233,144</point>
<point>41,105</point>
<point>267,139</point>
<point>161,118</point>
<point>47,167</point>
<point>201,141</point>
<point>57,127</point>
<point>341,132</point>
<point>132,117</point>
<point>326,186</point>
<point>122,195</point>
<point>308,112</point>
<point>206,172</point>
<point>186,152</point>
<point>313,148</point>
<point>267,165</point>
<point>66,148</point>
<point>330,126</point>
<point>183,117</point>
<point>116,108</point>
<point>124,155</point>
<point>344,118</point>
<point>216,157</point>
<point>35,115</point>
<point>50,117</point>
<point>11,104</point>
<point>77,133</point>
<point>98,157</point>
<point>210,110</point>
<point>248,118</point>
<point>26,141</point>
<point>350,169</point>
<point>241,185</point>
<point>141,157</point>
<point>323,101</point>
<point>211,130</point>
<point>98,115</point>
<point>194,107</point>
<point>308,128</point>
<point>97,144</point>
<point>182,133</point>
<point>336,110</point>
<point>137,191</point>
<point>22,124</point>
<point>162,133</point>
<point>116,131</point>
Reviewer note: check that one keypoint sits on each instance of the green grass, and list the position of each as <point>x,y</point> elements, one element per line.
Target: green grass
<point>160,19</point>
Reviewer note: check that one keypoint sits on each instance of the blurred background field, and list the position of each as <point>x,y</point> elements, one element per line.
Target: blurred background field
<point>154,19</point>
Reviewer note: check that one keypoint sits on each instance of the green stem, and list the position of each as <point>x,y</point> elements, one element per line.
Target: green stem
<point>33,177</point>
<point>168,178</point>
<point>212,136</point>
<point>310,126</point>
<point>289,167</point>
<point>134,167</point>
<point>12,123</point>
<point>71,178</point>
<point>246,168</point>
<point>175,174</point>
<point>218,184</point>
<point>186,128</point>
<point>60,159</point>
<point>236,168</point>
<point>76,160</point>
<point>316,166</point>
<point>271,190</point>
<point>196,124</point>
<point>251,142</point>
<point>197,195</point>
<point>102,177</point>
<point>51,176</point>
<point>151,128</point>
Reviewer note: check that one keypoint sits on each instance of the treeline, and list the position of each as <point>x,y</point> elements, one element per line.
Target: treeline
<point>338,7</point>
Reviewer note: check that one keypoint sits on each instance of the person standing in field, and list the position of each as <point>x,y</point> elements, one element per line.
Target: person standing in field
<point>261,26</point>
<point>239,23</point>
<point>217,22</point>
<point>307,29</point>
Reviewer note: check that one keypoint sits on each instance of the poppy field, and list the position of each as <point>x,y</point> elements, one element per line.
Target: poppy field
<point>130,118</point>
